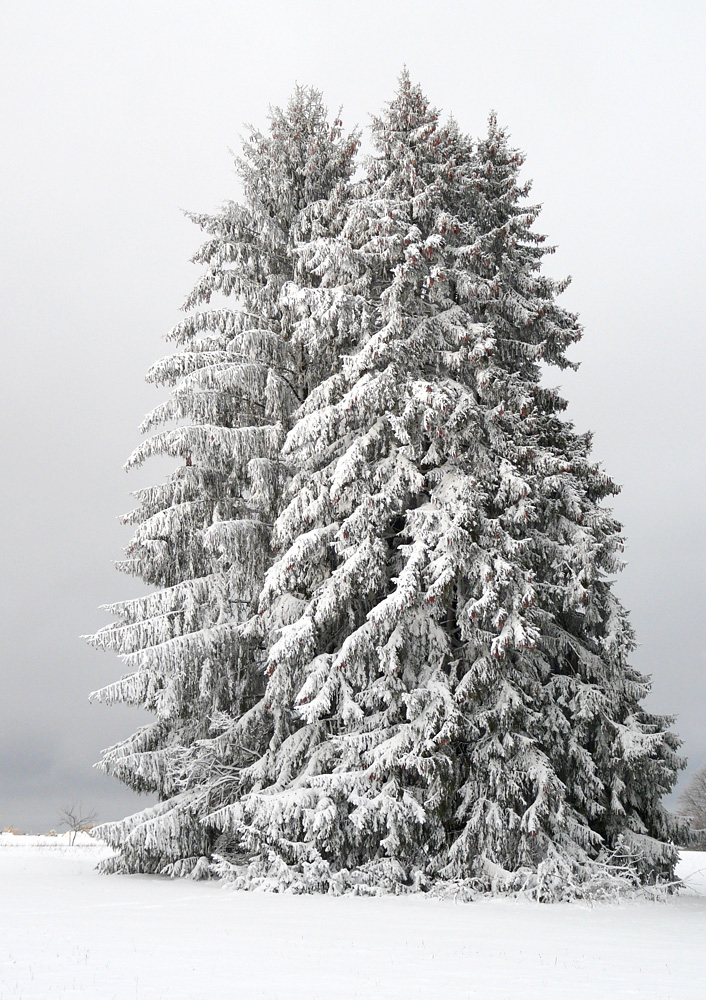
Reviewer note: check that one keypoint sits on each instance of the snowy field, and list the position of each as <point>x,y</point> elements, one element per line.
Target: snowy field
<point>69,932</point>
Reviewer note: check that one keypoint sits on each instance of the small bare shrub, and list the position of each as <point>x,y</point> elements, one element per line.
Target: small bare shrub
<point>692,806</point>
<point>76,820</point>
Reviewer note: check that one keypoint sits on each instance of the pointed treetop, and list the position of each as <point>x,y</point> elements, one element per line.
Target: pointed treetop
<point>408,111</point>
<point>495,146</point>
<point>300,158</point>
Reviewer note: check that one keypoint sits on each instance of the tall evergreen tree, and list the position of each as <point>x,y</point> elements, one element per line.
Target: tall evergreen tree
<point>592,775</point>
<point>448,688</point>
<point>202,538</point>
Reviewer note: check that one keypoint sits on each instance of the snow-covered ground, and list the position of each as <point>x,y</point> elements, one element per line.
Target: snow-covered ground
<point>66,931</point>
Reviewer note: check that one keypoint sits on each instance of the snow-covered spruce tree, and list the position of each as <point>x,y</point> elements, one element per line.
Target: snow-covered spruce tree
<point>202,538</point>
<point>572,713</point>
<point>448,691</point>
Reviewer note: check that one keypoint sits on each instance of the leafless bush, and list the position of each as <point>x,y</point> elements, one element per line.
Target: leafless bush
<point>76,820</point>
<point>692,806</point>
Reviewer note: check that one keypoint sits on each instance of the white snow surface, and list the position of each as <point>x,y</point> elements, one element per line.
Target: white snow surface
<point>68,931</point>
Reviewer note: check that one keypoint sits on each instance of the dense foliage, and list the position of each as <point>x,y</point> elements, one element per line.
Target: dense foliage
<point>385,651</point>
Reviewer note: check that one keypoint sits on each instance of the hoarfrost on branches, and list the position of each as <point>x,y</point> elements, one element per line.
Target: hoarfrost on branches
<point>386,651</point>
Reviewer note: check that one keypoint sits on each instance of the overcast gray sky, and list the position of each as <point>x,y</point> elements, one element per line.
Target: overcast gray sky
<point>113,115</point>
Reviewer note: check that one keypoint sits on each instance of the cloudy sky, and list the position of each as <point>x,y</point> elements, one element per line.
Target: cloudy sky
<point>114,115</point>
